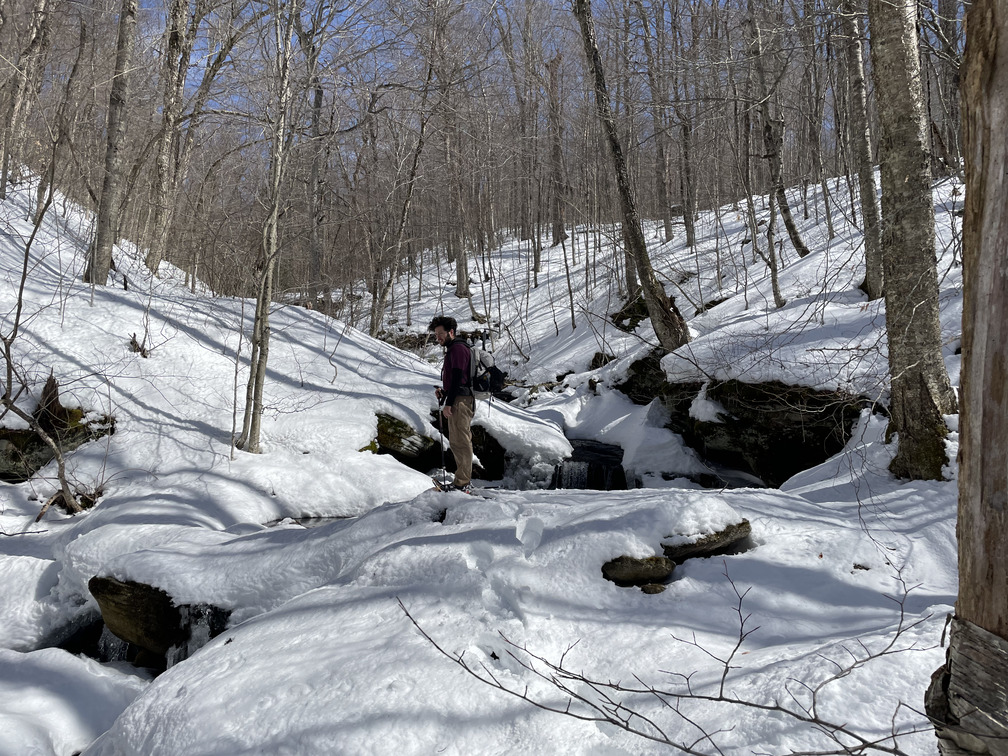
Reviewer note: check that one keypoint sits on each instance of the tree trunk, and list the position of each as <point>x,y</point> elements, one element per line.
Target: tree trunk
<point>174,70</point>
<point>24,81</point>
<point>861,151</point>
<point>773,138</point>
<point>659,97</point>
<point>920,392</point>
<point>396,248</point>
<point>668,323</point>
<point>746,146</point>
<point>967,698</point>
<point>771,255</point>
<point>311,41</point>
<point>107,225</point>
<point>689,195</point>
<point>948,23</point>
<point>280,147</point>
<point>558,185</point>
<point>63,124</point>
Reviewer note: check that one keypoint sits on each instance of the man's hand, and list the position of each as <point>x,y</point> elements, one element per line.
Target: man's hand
<point>447,410</point>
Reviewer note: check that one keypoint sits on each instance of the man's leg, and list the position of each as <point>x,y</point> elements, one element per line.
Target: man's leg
<point>460,438</point>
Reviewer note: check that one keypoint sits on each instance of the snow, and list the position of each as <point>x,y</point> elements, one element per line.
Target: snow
<point>320,656</point>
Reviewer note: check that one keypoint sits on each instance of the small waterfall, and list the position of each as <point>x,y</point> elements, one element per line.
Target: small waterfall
<point>204,622</point>
<point>112,648</point>
<point>593,465</point>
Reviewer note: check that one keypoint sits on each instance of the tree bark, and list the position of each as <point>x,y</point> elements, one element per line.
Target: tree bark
<point>178,42</point>
<point>967,698</point>
<point>107,225</point>
<point>26,79</point>
<point>861,151</point>
<point>983,479</point>
<point>920,392</point>
<point>558,184</point>
<point>773,138</point>
<point>280,148</point>
<point>668,323</point>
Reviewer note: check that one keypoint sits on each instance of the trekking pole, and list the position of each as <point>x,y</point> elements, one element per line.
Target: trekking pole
<point>440,419</point>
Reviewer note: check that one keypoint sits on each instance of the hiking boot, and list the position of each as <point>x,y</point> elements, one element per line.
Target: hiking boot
<point>456,487</point>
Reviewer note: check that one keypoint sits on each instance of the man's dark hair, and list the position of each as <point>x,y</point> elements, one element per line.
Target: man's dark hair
<point>444,321</point>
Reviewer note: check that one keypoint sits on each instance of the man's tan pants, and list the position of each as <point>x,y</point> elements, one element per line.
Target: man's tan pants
<point>460,438</point>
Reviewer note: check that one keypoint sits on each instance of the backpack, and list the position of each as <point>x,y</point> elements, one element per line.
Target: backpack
<point>485,378</point>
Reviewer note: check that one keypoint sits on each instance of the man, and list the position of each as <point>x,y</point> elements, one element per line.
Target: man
<point>455,396</point>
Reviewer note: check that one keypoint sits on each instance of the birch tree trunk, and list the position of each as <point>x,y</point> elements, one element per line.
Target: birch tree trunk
<point>920,392</point>
<point>107,225</point>
<point>860,147</point>
<point>26,78</point>
<point>281,135</point>
<point>967,697</point>
<point>669,325</point>
<point>178,42</point>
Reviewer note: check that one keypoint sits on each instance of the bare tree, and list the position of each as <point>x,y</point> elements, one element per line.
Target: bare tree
<point>281,134</point>
<point>967,698</point>
<point>920,392</point>
<point>773,133</point>
<point>861,149</point>
<point>669,325</point>
<point>173,148</point>
<point>26,81</point>
<point>558,182</point>
<point>107,226</point>
<point>14,384</point>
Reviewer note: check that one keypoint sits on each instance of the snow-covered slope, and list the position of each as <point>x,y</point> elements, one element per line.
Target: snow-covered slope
<point>320,656</point>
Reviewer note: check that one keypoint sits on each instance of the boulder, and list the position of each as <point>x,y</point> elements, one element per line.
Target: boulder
<point>409,447</point>
<point>774,430</point>
<point>770,430</point>
<point>148,618</point>
<point>728,541</point>
<point>628,571</point>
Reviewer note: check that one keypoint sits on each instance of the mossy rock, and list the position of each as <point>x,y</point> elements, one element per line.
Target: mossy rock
<point>770,430</point>
<point>493,458</point>
<point>139,614</point>
<point>628,571</point>
<point>405,444</point>
<point>731,540</point>
<point>148,618</point>
<point>710,305</point>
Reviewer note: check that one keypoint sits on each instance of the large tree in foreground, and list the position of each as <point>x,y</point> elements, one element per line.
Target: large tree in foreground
<point>921,393</point>
<point>967,699</point>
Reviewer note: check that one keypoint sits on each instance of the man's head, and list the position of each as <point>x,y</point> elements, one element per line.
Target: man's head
<point>444,328</point>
